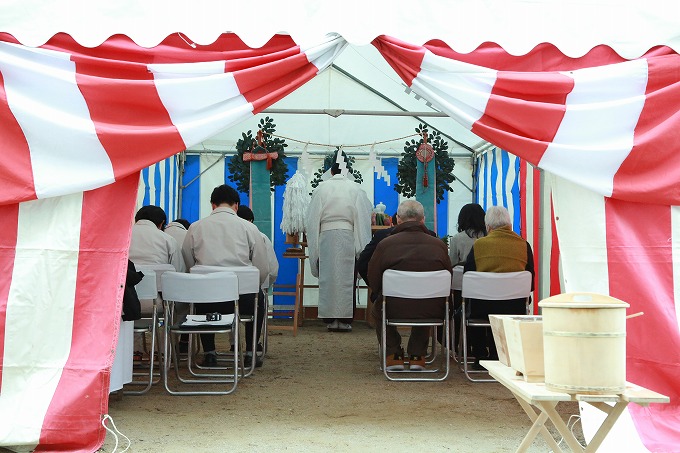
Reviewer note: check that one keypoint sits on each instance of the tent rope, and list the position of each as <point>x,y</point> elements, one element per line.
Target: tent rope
<point>346,146</point>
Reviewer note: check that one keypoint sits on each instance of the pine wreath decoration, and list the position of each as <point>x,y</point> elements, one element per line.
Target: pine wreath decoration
<point>328,162</point>
<point>408,164</point>
<point>259,145</point>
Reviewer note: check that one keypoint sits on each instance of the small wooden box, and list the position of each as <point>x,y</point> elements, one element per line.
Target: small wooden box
<point>498,330</point>
<point>524,336</point>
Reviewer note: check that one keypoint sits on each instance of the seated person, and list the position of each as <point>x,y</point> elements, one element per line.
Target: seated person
<point>410,247</point>
<point>150,245</point>
<point>246,213</point>
<point>224,239</point>
<point>502,250</point>
<point>471,226</point>
<point>178,229</point>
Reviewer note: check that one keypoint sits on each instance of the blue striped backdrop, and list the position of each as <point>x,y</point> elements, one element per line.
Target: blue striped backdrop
<point>497,176</point>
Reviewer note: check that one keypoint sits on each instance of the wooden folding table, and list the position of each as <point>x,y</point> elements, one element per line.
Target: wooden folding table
<point>536,395</point>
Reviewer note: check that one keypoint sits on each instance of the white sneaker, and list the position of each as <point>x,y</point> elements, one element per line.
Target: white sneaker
<point>344,327</point>
<point>332,327</point>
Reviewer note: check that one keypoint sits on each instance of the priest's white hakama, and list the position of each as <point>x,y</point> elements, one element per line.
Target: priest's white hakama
<point>338,229</point>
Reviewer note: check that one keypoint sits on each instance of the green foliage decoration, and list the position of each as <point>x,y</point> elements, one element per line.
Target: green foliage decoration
<point>408,164</point>
<point>240,170</point>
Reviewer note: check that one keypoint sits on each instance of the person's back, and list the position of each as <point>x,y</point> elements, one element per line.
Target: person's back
<point>178,230</point>
<point>410,247</point>
<point>338,196</point>
<point>470,228</point>
<point>221,239</point>
<point>502,250</point>
<point>246,214</point>
<point>338,229</point>
<point>150,245</point>
<point>224,239</point>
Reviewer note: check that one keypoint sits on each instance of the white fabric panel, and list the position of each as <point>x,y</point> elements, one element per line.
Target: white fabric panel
<point>121,370</point>
<point>622,437</point>
<point>582,148</point>
<point>213,177</point>
<point>58,154</point>
<point>581,227</point>
<point>445,83</point>
<point>496,286</point>
<point>188,93</point>
<point>574,26</point>
<point>416,285</point>
<point>147,287</point>
<point>530,190</point>
<point>318,50</point>
<point>200,288</point>
<point>248,276</point>
<point>158,270</point>
<point>39,314</point>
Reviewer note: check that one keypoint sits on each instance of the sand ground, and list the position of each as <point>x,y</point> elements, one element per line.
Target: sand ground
<point>323,391</point>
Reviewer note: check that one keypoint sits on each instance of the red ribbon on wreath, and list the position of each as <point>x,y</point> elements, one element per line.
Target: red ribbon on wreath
<point>425,153</point>
<point>259,152</point>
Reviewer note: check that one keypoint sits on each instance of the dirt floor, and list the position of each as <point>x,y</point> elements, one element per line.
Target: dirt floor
<point>323,391</point>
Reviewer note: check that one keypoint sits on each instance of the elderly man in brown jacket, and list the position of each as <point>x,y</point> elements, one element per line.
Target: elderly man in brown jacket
<point>409,248</point>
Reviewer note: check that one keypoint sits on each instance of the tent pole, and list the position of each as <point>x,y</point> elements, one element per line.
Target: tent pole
<point>544,238</point>
<point>180,179</point>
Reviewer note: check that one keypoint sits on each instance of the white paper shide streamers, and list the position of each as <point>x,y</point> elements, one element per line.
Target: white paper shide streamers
<point>377,165</point>
<point>295,203</point>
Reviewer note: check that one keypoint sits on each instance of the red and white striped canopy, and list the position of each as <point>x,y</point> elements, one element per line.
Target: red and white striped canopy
<point>587,90</point>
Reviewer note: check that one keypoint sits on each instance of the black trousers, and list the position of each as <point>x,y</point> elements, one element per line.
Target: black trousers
<point>413,309</point>
<point>480,338</point>
<point>246,306</point>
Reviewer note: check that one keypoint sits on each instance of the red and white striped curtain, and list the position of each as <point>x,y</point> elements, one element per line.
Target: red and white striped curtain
<point>78,124</point>
<point>605,126</point>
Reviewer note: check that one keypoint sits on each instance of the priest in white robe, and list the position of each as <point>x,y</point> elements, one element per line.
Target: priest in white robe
<point>338,229</point>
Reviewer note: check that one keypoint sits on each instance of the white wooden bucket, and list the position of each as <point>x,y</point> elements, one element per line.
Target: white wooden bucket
<point>584,342</point>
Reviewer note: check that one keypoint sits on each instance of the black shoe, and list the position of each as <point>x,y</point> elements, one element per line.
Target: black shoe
<point>209,360</point>
<point>476,366</point>
<point>248,361</point>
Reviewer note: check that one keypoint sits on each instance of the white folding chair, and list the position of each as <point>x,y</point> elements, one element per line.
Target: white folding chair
<point>488,286</point>
<point>146,290</point>
<point>151,304</point>
<point>416,286</point>
<point>197,289</point>
<point>248,283</point>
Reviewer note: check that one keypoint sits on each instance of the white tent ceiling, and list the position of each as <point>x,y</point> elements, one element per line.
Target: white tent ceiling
<point>574,26</point>
<point>360,80</point>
